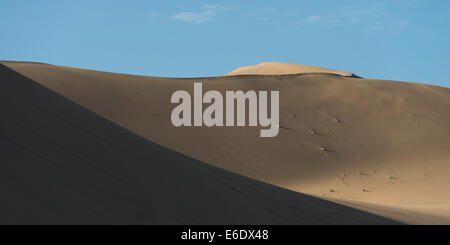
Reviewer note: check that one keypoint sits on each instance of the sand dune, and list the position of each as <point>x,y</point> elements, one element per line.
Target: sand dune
<point>274,68</point>
<point>380,146</point>
<point>62,164</point>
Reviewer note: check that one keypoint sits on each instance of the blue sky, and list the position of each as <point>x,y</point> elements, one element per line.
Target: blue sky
<point>406,40</point>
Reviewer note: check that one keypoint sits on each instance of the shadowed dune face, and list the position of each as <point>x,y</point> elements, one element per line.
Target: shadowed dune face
<point>62,164</point>
<point>386,143</point>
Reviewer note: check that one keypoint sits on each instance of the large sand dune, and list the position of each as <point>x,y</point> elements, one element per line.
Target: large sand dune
<point>379,146</point>
<point>62,164</point>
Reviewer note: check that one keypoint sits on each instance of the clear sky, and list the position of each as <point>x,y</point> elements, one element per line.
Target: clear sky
<point>406,40</point>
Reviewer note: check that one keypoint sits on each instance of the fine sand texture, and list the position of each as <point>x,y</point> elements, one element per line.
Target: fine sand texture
<point>374,145</point>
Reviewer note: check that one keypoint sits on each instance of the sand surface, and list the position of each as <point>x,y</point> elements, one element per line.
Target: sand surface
<point>387,147</point>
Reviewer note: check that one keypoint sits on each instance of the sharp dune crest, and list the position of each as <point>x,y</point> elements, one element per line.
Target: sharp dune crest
<point>375,145</point>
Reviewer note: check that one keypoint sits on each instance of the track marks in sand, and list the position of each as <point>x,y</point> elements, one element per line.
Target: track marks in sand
<point>372,184</point>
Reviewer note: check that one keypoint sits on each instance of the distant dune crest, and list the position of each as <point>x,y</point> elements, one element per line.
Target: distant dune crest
<point>275,68</point>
